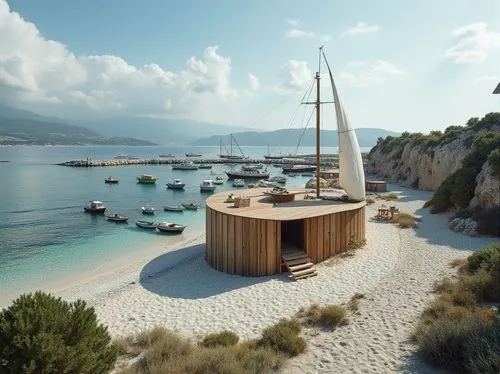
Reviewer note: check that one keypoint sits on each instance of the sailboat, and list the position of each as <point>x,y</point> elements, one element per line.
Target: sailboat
<point>351,173</point>
<point>229,155</point>
<point>269,156</point>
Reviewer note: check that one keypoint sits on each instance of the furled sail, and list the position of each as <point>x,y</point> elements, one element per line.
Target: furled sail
<point>351,173</point>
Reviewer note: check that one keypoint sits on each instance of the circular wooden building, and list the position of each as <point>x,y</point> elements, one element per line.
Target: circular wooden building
<point>255,236</point>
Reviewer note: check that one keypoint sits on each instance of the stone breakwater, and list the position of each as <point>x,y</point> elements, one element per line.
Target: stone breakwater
<point>103,163</point>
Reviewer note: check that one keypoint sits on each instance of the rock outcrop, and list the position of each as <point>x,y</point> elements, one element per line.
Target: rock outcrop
<point>487,192</point>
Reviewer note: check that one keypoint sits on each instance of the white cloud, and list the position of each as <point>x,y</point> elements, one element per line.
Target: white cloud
<point>368,73</point>
<point>474,43</point>
<point>361,28</point>
<point>297,77</point>
<point>36,73</point>
<point>293,22</point>
<point>297,33</point>
<point>254,82</point>
<point>490,78</point>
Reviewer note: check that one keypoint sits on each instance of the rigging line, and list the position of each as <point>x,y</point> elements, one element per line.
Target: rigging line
<point>309,90</point>
<point>304,131</point>
<point>271,110</point>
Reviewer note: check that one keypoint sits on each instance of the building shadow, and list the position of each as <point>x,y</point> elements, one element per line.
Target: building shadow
<point>185,274</point>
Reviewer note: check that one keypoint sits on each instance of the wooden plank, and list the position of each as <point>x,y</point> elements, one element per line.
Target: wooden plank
<point>278,248</point>
<point>238,246</point>
<point>326,237</point>
<point>224,242</point>
<point>321,235</point>
<point>253,248</point>
<point>262,247</point>
<point>208,228</point>
<point>271,247</point>
<point>230,244</point>
<point>246,247</point>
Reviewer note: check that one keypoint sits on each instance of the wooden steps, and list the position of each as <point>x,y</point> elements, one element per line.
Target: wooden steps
<point>298,264</point>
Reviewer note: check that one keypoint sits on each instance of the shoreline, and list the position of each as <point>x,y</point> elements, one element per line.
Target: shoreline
<point>125,264</point>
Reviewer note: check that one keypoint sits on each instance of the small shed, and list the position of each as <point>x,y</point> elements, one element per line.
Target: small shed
<point>376,186</point>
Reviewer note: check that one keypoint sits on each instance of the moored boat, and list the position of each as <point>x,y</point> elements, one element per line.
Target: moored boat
<point>185,166</point>
<point>218,180</point>
<point>168,155</point>
<point>176,184</point>
<point>173,228</point>
<point>145,224</point>
<point>146,179</point>
<point>95,206</point>
<point>250,174</point>
<point>205,166</point>
<point>207,186</point>
<point>148,209</point>
<point>238,183</point>
<point>193,154</point>
<point>278,179</point>
<point>173,208</point>
<point>111,180</point>
<point>117,218</point>
<point>298,168</point>
<point>190,206</point>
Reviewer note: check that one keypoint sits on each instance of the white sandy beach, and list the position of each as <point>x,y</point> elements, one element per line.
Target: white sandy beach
<point>395,272</point>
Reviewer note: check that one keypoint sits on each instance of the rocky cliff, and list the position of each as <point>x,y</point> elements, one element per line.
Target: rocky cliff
<point>456,164</point>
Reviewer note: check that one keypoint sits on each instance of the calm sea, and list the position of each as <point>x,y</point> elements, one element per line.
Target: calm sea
<point>44,233</point>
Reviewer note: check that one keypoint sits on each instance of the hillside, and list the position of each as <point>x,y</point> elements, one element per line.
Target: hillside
<point>36,132</point>
<point>461,164</point>
<point>367,137</point>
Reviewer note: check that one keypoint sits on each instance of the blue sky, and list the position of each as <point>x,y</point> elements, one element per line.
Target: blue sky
<point>399,65</point>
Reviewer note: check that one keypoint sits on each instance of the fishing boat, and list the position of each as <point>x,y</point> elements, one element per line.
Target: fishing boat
<point>218,181</point>
<point>146,179</point>
<point>121,157</point>
<point>239,183</point>
<point>148,209</point>
<point>117,218</point>
<point>111,180</point>
<point>173,228</point>
<point>298,168</point>
<point>250,174</point>
<point>173,208</point>
<point>229,153</point>
<point>205,166</point>
<point>252,167</point>
<point>176,184</point>
<point>207,185</point>
<point>168,155</point>
<point>145,224</point>
<point>278,179</point>
<point>185,166</point>
<point>193,154</point>
<point>95,206</point>
<point>190,206</point>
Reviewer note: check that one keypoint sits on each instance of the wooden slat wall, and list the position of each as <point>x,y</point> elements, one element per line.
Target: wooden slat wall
<point>252,247</point>
<point>326,236</point>
<point>242,246</point>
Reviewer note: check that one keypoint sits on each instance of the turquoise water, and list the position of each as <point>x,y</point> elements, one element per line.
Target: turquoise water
<point>44,233</point>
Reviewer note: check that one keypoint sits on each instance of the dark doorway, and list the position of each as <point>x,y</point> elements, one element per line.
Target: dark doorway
<point>292,234</point>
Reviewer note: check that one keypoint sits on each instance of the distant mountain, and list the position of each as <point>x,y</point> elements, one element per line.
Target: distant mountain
<point>367,137</point>
<point>35,132</point>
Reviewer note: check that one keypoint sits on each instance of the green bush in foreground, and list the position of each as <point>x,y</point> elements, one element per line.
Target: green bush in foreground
<point>329,316</point>
<point>43,334</point>
<point>283,337</point>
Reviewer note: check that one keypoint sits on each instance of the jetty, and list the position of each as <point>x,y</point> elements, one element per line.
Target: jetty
<point>159,161</point>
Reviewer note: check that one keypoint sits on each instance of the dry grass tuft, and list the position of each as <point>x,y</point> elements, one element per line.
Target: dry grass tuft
<point>328,316</point>
<point>404,220</point>
<point>389,197</point>
<point>353,304</point>
<point>370,200</point>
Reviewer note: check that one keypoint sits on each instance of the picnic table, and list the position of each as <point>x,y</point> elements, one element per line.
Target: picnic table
<point>387,213</point>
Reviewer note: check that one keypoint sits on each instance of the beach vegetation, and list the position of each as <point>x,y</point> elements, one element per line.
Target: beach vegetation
<point>404,220</point>
<point>370,200</point>
<point>220,339</point>
<point>353,304</point>
<point>40,333</point>
<point>283,337</point>
<point>355,243</point>
<point>389,197</point>
<point>164,351</point>
<point>327,316</point>
<point>457,332</point>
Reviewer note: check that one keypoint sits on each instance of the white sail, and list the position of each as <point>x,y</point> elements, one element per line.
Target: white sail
<point>351,173</point>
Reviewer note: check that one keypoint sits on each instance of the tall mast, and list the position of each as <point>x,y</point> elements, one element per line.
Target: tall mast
<point>318,120</point>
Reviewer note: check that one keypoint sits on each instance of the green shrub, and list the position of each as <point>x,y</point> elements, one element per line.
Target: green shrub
<point>329,316</point>
<point>283,338</point>
<point>494,160</point>
<point>43,334</point>
<point>220,339</point>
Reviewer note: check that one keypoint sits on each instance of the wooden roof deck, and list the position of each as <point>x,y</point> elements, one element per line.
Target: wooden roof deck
<point>261,205</point>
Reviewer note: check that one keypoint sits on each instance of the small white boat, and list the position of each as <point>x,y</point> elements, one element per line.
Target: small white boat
<point>205,166</point>
<point>252,167</point>
<point>193,154</point>
<point>238,183</point>
<point>262,183</point>
<point>168,155</point>
<point>219,180</point>
<point>111,180</point>
<point>148,209</point>
<point>146,224</point>
<point>173,228</point>
<point>278,179</point>
<point>190,206</point>
<point>185,166</point>
<point>117,218</point>
<point>176,184</point>
<point>207,186</point>
<point>173,208</point>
